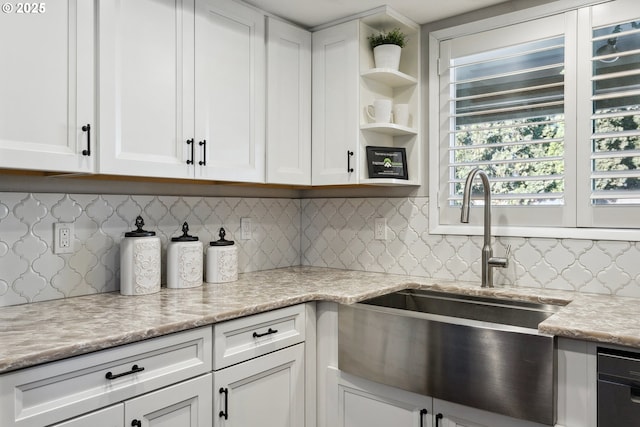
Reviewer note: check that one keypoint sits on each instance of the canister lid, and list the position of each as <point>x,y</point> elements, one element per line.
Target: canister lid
<point>139,232</point>
<point>185,235</point>
<point>222,241</point>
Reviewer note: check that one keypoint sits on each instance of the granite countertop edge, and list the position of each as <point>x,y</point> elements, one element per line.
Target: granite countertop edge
<point>42,332</point>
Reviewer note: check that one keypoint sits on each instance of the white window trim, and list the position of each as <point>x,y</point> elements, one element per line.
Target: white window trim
<point>500,226</point>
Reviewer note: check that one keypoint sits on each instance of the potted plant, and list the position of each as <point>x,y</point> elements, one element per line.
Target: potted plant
<point>387,47</point>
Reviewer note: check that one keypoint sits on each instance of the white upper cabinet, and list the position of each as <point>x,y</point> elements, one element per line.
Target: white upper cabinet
<point>346,84</point>
<point>47,86</point>
<point>334,105</point>
<point>288,104</point>
<point>146,87</point>
<point>230,91</point>
<point>182,89</point>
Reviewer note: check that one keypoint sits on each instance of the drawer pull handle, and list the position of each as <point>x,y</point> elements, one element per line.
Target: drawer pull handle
<point>438,418</point>
<point>423,412</point>
<point>269,332</point>
<point>134,369</point>
<point>136,423</point>
<point>225,413</point>
<point>349,154</point>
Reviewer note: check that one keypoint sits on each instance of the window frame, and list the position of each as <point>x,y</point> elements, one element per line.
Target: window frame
<point>573,221</point>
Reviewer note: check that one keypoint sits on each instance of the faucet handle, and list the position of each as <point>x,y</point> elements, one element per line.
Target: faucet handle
<point>500,261</point>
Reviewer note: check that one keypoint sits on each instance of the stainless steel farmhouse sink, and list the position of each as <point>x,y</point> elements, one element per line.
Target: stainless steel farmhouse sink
<point>476,351</point>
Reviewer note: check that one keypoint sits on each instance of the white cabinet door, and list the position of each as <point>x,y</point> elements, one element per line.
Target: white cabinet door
<point>335,105</point>
<point>230,91</point>
<point>146,87</point>
<point>363,403</point>
<point>112,416</point>
<point>448,414</point>
<point>267,391</point>
<point>288,104</point>
<point>186,404</point>
<point>47,85</point>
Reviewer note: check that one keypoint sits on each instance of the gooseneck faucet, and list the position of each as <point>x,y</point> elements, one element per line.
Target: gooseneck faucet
<point>488,260</point>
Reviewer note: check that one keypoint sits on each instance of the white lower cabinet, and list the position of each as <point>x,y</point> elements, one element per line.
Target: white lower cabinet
<point>163,378</point>
<point>364,403</point>
<point>112,416</point>
<point>448,414</point>
<point>187,404</point>
<point>259,377</point>
<point>267,391</point>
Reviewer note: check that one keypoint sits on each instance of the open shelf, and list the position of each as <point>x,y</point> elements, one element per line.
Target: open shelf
<point>389,129</point>
<point>390,77</point>
<point>388,181</point>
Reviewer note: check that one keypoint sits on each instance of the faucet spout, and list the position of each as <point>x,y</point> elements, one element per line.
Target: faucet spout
<point>488,261</point>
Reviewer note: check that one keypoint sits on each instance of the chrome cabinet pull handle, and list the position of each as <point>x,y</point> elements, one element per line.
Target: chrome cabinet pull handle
<point>134,369</point>
<point>87,128</point>
<point>269,332</point>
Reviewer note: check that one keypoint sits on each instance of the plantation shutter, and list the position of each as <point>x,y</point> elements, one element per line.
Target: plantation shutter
<point>504,104</point>
<point>613,142</point>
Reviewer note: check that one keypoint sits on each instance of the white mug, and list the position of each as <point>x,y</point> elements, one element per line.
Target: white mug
<point>381,111</point>
<point>401,114</point>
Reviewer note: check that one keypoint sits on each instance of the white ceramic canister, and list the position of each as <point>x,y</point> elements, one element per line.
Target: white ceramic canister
<point>184,261</point>
<point>139,261</point>
<point>222,260</point>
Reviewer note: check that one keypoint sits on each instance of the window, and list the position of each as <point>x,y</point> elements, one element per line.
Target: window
<point>612,187</point>
<point>550,110</point>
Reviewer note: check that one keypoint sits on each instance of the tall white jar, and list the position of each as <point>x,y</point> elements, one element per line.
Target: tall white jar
<point>140,261</point>
<point>184,261</point>
<point>222,260</point>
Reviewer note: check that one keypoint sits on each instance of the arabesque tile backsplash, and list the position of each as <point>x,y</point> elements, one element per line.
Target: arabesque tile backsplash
<point>330,232</point>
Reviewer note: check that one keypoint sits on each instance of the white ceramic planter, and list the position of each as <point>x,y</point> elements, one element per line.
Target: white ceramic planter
<point>387,56</point>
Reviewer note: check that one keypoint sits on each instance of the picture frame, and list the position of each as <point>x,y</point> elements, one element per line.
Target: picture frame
<point>387,162</point>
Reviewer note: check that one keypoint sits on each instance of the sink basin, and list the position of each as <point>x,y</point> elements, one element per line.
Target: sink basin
<point>480,352</point>
<point>505,312</point>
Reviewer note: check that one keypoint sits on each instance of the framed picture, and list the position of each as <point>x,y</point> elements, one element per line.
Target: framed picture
<point>387,162</point>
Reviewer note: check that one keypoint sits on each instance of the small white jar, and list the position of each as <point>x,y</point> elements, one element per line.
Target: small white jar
<point>184,261</point>
<point>222,261</point>
<point>140,261</point>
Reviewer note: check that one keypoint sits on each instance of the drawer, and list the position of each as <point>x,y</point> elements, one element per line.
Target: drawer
<point>247,337</point>
<point>49,393</point>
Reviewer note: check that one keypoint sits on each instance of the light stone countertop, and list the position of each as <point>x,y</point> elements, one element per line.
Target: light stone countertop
<point>41,332</point>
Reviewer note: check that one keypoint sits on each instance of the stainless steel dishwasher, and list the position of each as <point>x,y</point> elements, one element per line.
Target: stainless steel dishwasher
<point>618,388</point>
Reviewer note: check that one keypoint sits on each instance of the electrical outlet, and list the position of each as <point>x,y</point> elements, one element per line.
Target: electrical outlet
<point>245,228</point>
<point>380,229</point>
<point>63,236</point>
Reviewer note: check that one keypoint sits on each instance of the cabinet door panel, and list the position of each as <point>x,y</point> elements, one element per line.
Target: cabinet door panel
<point>363,403</point>
<point>146,65</point>
<point>46,87</point>
<point>334,101</point>
<point>288,104</point>
<point>187,404</point>
<point>230,90</point>
<point>112,416</point>
<point>267,391</point>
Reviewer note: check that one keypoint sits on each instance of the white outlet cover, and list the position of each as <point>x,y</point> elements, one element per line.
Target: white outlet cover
<point>380,229</point>
<point>63,236</point>
<point>245,228</point>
